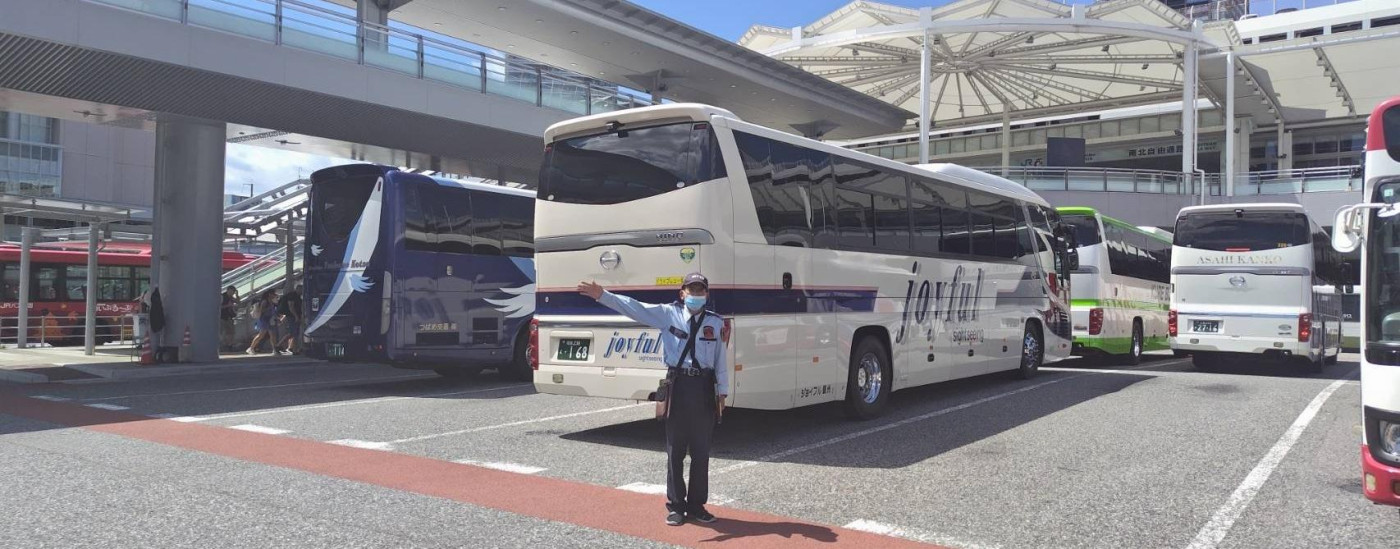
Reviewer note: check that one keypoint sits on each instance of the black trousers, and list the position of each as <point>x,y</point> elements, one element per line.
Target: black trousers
<point>689,429</point>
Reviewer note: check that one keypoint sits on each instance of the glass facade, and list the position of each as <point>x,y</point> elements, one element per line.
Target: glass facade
<point>30,158</point>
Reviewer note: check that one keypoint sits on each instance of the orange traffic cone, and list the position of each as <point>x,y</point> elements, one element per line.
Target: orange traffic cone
<point>148,356</point>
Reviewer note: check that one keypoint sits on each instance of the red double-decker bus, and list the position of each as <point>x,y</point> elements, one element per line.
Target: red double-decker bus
<point>58,286</point>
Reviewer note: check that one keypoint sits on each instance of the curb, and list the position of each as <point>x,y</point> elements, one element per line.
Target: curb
<point>22,377</point>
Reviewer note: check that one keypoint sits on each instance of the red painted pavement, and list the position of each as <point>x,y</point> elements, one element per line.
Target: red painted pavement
<point>587,505</point>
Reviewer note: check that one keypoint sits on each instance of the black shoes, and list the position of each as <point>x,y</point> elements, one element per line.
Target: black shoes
<point>675,519</point>
<point>702,516</point>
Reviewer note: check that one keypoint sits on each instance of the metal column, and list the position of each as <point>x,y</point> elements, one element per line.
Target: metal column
<point>26,246</point>
<point>287,282</point>
<point>90,292</point>
<point>1188,119</point>
<point>923,101</point>
<point>1229,150</point>
<point>1005,140</point>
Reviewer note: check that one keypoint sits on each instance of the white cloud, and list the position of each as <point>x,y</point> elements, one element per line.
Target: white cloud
<point>267,168</point>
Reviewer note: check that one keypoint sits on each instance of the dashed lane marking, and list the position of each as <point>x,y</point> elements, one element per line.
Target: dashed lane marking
<point>514,423</point>
<point>660,490</point>
<point>112,407</point>
<point>363,444</point>
<point>175,417</point>
<point>913,534</point>
<point>260,429</point>
<point>1219,526</point>
<point>375,400</point>
<point>260,387</point>
<point>504,466</point>
<point>50,398</point>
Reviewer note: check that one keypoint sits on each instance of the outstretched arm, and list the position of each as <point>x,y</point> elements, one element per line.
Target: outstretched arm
<point>654,315</point>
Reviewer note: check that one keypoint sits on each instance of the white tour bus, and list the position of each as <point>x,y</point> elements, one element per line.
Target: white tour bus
<point>840,275</point>
<point>1120,292</point>
<point>1247,280</point>
<point>1373,228</point>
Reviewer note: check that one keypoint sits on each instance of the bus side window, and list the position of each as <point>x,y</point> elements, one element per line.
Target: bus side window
<point>488,223</point>
<point>417,234</point>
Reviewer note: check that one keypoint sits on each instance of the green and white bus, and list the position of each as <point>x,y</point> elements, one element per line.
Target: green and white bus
<point>1121,292</point>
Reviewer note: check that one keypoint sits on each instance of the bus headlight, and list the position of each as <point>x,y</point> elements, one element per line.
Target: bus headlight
<point>1389,437</point>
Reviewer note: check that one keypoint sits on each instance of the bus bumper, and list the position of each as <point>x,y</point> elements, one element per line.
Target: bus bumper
<point>1259,346</point>
<point>1379,481</point>
<point>619,383</point>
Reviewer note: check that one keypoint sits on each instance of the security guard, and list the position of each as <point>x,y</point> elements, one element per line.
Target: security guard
<point>694,350</point>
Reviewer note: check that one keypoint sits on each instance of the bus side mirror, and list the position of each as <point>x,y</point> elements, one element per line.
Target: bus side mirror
<point>1346,228</point>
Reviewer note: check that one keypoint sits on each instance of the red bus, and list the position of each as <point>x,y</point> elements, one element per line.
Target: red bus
<point>58,280</point>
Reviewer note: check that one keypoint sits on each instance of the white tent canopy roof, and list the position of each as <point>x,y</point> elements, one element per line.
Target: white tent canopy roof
<point>1028,57</point>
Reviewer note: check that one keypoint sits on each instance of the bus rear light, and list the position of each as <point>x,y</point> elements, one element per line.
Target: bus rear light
<point>1095,321</point>
<point>1305,327</point>
<point>1171,323</point>
<point>534,351</point>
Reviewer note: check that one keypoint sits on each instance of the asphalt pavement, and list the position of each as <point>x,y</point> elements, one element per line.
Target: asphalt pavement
<point>359,455</point>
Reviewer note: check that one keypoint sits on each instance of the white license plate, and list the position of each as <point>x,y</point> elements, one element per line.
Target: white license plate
<point>1205,326</point>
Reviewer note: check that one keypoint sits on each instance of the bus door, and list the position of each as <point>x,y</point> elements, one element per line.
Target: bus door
<point>806,343</point>
<point>416,306</point>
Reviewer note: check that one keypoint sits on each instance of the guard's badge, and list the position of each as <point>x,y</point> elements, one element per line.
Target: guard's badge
<point>709,332</point>
<point>679,333</point>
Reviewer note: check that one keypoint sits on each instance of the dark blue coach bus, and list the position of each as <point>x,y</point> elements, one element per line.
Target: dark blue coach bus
<point>419,272</point>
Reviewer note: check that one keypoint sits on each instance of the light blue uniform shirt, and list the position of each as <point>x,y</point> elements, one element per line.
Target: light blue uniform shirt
<point>673,320</point>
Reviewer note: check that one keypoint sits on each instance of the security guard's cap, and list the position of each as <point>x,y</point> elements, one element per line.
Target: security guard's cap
<point>695,278</point>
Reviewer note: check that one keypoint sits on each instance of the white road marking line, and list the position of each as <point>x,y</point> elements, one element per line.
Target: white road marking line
<point>885,427</point>
<point>112,407</point>
<point>258,387</point>
<point>912,534</point>
<point>375,400</point>
<point>365,444</point>
<point>260,429</point>
<point>1215,530</point>
<point>513,424</point>
<point>504,466</point>
<point>179,418</point>
<point>660,490</point>
<point>1111,371</point>
<point>50,398</point>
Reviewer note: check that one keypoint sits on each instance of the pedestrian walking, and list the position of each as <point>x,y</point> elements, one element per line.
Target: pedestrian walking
<point>228,314</point>
<point>697,382</point>
<point>266,324</point>
<point>289,309</point>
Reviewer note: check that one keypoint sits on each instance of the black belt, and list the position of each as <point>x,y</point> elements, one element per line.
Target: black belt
<point>693,372</point>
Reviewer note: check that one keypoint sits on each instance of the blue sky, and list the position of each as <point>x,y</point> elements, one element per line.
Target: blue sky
<point>266,168</point>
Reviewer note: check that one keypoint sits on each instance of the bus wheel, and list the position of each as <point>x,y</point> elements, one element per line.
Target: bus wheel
<point>519,368</point>
<point>1134,355</point>
<point>1032,352</point>
<point>868,386</point>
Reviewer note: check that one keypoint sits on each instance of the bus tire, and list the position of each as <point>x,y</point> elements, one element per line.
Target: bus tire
<point>1134,355</point>
<point>1032,351</point>
<point>868,384</point>
<point>519,368</point>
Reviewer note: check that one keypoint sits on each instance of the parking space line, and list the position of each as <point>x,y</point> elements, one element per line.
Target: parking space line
<point>514,423</point>
<point>375,400</point>
<point>504,466</point>
<point>913,534</point>
<point>260,429</point>
<point>257,387</point>
<point>50,398</point>
<point>849,436</point>
<point>179,418</point>
<point>1220,523</point>
<point>112,407</point>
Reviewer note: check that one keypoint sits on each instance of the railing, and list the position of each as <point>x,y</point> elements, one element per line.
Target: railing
<point>264,273</point>
<point>111,331</point>
<point>306,26</point>
<point>1038,178</point>
<point>1271,7</point>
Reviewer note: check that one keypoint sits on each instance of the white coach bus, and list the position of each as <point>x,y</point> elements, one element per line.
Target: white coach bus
<point>840,275</point>
<point>1249,279</point>
<point>1120,290</point>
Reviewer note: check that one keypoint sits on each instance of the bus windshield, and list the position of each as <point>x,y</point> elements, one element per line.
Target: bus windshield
<point>629,164</point>
<point>1086,229</point>
<point>337,206</point>
<point>1242,231</point>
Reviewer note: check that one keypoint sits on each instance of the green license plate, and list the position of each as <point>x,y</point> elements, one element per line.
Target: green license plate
<point>335,350</point>
<point>573,349</point>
